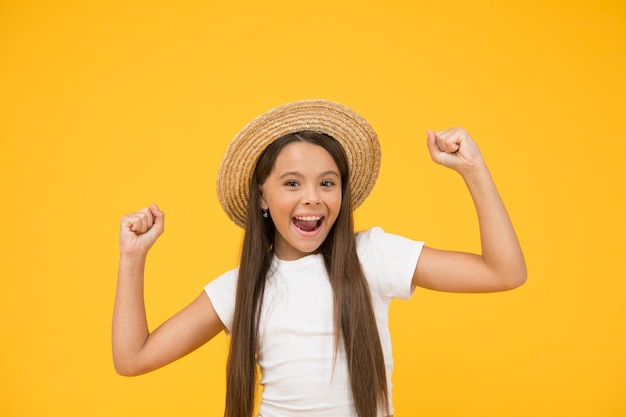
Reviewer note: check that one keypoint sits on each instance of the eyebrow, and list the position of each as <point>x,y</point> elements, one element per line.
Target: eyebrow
<point>299,174</point>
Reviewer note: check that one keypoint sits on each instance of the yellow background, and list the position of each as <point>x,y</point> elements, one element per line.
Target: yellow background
<point>106,107</point>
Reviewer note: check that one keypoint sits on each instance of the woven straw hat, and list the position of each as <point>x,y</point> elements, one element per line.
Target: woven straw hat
<point>350,129</point>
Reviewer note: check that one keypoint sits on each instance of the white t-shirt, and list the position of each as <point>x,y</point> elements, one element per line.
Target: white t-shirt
<point>296,351</point>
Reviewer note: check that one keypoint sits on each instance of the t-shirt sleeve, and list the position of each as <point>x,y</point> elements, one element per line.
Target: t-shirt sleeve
<point>389,261</point>
<point>221,292</point>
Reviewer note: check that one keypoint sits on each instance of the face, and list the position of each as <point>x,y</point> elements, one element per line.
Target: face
<point>303,196</point>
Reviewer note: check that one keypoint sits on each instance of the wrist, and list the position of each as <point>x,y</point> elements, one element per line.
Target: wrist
<point>133,257</point>
<point>476,171</point>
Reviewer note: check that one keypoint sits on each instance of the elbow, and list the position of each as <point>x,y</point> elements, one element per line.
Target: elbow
<point>516,278</point>
<point>516,283</point>
<point>126,368</point>
<point>125,372</point>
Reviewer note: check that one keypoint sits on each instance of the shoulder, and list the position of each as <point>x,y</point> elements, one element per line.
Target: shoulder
<point>388,260</point>
<point>367,237</point>
<point>221,291</point>
<point>228,278</point>
<point>377,239</point>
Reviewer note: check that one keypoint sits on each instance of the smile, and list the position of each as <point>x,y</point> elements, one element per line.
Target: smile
<point>307,223</point>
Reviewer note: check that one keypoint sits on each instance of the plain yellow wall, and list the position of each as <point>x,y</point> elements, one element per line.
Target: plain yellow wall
<point>106,107</point>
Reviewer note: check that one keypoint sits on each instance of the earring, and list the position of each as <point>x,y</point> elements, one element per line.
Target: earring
<point>266,213</point>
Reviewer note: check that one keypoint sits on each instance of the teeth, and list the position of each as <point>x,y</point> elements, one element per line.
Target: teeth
<point>308,218</point>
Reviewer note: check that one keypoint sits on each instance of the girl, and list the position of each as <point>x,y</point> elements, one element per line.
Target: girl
<point>309,301</point>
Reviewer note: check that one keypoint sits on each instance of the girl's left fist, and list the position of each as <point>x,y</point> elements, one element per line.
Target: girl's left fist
<point>454,148</point>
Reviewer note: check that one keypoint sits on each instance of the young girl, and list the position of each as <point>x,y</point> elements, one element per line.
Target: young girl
<point>309,301</point>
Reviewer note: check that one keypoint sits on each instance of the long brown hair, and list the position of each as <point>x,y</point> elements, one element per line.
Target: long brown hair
<point>354,323</point>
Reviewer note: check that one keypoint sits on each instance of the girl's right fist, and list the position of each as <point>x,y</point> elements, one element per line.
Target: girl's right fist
<point>139,230</point>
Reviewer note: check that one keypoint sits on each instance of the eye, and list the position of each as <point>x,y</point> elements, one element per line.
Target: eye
<point>291,183</point>
<point>327,183</point>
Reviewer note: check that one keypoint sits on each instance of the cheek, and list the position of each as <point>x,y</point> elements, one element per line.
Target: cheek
<point>283,204</point>
<point>335,203</point>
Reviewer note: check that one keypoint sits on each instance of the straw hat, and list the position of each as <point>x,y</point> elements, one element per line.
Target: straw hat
<point>350,129</point>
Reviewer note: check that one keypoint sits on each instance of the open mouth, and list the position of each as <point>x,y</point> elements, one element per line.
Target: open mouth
<point>307,223</point>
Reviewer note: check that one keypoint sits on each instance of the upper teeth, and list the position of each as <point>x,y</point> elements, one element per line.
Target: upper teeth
<point>308,218</point>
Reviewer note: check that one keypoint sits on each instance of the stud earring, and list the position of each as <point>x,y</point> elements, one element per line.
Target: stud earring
<point>266,213</point>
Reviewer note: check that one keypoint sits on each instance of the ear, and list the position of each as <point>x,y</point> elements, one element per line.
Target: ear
<point>262,203</point>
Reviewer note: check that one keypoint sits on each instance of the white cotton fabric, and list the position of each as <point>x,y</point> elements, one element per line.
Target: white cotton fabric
<point>296,349</point>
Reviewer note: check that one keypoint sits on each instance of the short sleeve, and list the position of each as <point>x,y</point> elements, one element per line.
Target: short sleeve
<point>388,261</point>
<point>221,292</point>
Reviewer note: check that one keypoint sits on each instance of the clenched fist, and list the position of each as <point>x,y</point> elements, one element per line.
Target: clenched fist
<point>454,148</point>
<point>139,230</point>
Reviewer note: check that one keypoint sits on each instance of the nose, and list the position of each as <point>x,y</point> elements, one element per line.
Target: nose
<point>311,196</point>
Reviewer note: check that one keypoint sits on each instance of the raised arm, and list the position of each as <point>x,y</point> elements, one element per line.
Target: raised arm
<point>135,349</point>
<point>501,264</point>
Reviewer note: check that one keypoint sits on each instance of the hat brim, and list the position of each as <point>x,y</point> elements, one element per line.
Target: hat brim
<point>350,129</point>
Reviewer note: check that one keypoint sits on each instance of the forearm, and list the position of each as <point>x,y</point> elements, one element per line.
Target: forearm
<point>130,327</point>
<point>501,250</point>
